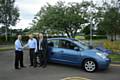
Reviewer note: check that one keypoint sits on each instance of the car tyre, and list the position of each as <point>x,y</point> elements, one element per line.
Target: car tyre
<point>90,65</point>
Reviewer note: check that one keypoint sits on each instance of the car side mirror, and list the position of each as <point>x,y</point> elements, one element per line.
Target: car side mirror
<point>76,49</point>
<point>91,47</point>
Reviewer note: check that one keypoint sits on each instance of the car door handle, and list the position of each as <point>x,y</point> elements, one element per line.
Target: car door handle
<point>61,51</point>
<point>52,53</point>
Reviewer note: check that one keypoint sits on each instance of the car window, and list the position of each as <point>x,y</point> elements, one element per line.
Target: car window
<point>53,43</point>
<point>68,45</point>
<point>62,44</point>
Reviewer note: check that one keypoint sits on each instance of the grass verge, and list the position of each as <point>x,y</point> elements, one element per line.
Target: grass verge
<point>115,57</point>
<point>6,48</point>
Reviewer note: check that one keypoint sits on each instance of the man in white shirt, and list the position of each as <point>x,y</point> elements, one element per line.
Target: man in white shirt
<point>32,44</point>
<point>18,53</point>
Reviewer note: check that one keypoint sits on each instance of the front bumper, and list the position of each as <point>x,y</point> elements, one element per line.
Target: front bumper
<point>104,64</point>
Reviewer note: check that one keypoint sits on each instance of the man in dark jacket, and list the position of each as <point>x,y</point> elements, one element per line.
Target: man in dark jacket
<point>42,51</point>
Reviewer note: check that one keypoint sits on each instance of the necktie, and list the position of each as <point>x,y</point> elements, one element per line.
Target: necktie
<point>38,45</point>
<point>21,43</point>
<point>40,41</point>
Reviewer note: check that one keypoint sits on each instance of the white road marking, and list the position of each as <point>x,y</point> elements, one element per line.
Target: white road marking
<point>75,78</point>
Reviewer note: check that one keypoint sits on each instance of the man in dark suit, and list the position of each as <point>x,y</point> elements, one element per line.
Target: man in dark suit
<point>42,51</point>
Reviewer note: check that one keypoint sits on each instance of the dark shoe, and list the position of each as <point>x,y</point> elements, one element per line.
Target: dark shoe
<point>17,68</point>
<point>34,66</point>
<point>44,66</point>
<point>40,65</point>
<point>30,65</point>
<point>23,66</point>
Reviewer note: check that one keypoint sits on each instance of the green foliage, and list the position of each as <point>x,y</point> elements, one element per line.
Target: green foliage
<point>98,37</point>
<point>86,30</point>
<point>115,57</point>
<point>111,22</point>
<point>9,14</point>
<point>11,39</point>
<point>112,45</point>
<point>76,17</point>
<point>79,37</point>
<point>61,18</point>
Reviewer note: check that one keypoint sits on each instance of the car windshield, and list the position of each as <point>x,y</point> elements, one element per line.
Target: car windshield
<point>82,44</point>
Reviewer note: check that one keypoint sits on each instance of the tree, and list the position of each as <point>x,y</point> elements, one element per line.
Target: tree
<point>67,19</point>
<point>9,14</point>
<point>111,22</point>
<point>110,19</point>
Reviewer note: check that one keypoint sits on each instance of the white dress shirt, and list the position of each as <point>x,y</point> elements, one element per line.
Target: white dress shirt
<point>18,45</point>
<point>32,43</point>
<point>38,46</point>
<point>40,41</point>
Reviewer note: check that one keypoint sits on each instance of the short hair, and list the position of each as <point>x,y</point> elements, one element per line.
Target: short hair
<point>19,35</point>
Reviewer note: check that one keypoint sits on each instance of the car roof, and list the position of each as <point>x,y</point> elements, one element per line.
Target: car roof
<point>69,39</point>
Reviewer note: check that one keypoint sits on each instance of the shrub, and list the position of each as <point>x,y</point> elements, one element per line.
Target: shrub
<point>80,37</point>
<point>114,46</point>
<point>11,39</point>
<point>97,37</point>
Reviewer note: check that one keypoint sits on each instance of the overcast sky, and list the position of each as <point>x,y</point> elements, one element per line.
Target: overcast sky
<point>28,8</point>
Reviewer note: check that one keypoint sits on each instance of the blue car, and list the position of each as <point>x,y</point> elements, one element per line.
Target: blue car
<point>72,52</point>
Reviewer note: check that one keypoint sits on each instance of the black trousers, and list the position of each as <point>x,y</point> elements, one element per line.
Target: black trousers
<point>43,58</point>
<point>18,59</point>
<point>32,54</point>
<point>36,56</point>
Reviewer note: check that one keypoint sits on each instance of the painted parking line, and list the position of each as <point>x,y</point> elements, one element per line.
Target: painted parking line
<point>75,78</point>
<point>116,65</point>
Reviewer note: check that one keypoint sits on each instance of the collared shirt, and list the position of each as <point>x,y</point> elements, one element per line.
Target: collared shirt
<point>38,46</point>
<point>32,43</point>
<point>40,41</point>
<point>18,45</point>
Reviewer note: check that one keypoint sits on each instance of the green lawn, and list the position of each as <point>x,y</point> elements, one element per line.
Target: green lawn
<point>115,57</point>
<point>5,48</point>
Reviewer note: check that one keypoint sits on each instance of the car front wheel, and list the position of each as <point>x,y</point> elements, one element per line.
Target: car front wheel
<point>89,65</point>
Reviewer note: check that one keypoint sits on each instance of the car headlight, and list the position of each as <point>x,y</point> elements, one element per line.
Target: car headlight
<point>101,55</point>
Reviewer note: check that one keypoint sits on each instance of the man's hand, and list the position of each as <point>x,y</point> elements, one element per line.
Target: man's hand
<point>22,48</point>
<point>25,46</point>
<point>35,50</point>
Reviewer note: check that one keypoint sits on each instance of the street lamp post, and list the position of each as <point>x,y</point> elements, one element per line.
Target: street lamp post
<point>91,33</point>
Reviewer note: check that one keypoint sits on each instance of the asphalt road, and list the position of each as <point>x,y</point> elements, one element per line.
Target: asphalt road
<point>52,72</point>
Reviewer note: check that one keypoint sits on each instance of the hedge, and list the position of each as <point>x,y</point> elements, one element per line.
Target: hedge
<point>113,46</point>
<point>87,37</point>
<point>11,39</point>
